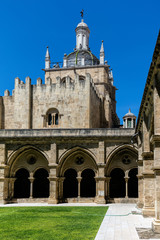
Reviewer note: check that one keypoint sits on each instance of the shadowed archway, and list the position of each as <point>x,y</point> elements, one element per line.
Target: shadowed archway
<point>70,185</point>
<point>117,183</point>
<point>88,183</point>
<point>22,184</point>
<point>133,183</point>
<point>41,184</point>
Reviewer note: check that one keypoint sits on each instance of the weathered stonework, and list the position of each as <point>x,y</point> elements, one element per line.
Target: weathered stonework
<point>148,132</point>
<point>61,141</point>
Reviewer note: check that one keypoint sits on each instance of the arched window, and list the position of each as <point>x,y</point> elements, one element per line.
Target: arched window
<point>52,117</point>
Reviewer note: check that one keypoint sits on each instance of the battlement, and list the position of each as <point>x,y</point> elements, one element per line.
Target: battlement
<point>61,85</point>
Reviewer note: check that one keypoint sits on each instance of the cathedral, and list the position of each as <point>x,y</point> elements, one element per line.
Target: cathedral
<point>61,140</point>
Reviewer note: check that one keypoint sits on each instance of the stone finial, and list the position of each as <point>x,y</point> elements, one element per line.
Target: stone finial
<point>102,54</point>
<point>47,59</point>
<point>65,60</point>
<point>102,48</point>
<point>47,54</point>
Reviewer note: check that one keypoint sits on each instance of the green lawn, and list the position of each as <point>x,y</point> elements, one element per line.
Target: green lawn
<point>46,223</point>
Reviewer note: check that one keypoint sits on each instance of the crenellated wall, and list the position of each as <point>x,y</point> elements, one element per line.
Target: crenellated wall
<point>77,101</point>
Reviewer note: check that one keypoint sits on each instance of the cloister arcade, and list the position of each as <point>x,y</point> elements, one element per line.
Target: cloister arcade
<point>77,175</point>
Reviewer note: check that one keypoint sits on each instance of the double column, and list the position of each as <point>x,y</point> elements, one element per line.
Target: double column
<point>31,178</point>
<point>79,178</point>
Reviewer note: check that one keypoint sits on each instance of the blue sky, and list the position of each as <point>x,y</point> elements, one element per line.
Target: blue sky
<point>129,30</point>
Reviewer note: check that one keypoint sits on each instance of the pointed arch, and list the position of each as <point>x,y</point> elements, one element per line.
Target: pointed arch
<point>119,154</point>
<point>23,151</point>
<point>76,153</point>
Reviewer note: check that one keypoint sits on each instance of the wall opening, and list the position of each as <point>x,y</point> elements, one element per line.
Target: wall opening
<point>70,184</point>
<point>133,183</point>
<point>88,183</point>
<point>41,184</point>
<point>22,184</point>
<point>117,183</point>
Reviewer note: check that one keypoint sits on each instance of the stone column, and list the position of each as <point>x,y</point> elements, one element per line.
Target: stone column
<point>148,185</point>
<point>140,202</point>
<point>31,178</point>
<point>2,184</point>
<point>100,178</point>
<point>6,189</point>
<point>12,181</point>
<point>126,180</point>
<point>61,180</point>
<point>100,185</point>
<point>156,221</point>
<point>79,178</point>
<point>53,198</point>
<point>96,179</point>
<point>53,174</point>
<point>107,182</point>
<point>148,174</point>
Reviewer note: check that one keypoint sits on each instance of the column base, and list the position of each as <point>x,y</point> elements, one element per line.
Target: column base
<point>100,200</point>
<point>52,201</point>
<point>156,226</point>
<point>148,212</point>
<point>2,201</point>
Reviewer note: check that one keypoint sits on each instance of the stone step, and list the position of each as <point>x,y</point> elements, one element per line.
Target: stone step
<point>32,200</point>
<point>122,200</point>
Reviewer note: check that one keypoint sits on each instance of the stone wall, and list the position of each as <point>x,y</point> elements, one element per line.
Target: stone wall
<point>77,102</point>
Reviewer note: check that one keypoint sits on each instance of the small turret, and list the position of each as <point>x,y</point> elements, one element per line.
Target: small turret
<point>47,60</point>
<point>102,54</point>
<point>82,36</point>
<point>129,120</point>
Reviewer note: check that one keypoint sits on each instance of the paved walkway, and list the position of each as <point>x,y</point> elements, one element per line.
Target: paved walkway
<point>120,224</point>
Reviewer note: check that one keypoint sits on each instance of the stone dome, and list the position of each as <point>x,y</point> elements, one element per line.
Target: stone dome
<point>81,58</point>
<point>82,24</point>
<point>129,114</point>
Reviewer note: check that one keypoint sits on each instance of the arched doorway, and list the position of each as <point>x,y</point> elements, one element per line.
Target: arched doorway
<point>133,183</point>
<point>88,184</point>
<point>22,184</point>
<point>70,184</point>
<point>41,184</point>
<point>117,183</point>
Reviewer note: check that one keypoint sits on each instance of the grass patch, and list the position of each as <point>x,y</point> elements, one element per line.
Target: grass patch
<point>50,223</point>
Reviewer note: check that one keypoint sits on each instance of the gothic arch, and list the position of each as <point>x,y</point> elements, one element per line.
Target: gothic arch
<point>20,151</point>
<point>123,157</point>
<point>79,158</point>
<point>28,157</point>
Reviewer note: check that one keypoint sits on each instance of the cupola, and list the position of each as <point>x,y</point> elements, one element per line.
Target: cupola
<point>129,120</point>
